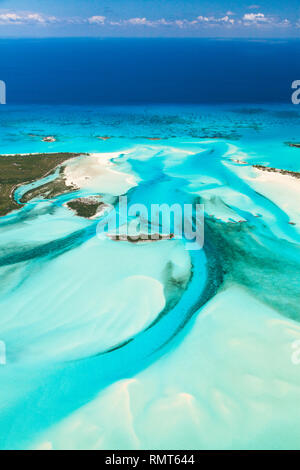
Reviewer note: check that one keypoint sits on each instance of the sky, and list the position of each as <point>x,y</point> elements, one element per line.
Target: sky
<point>150,18</point>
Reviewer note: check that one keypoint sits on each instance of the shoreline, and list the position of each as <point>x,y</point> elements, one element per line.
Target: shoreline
<point>20,169</point>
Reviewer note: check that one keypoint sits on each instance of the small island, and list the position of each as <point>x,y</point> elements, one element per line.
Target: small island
<point>295,174</point>
<point>87,207</point>
<point>140,238</point>
<point>293,144</point>
<point>49,138</point>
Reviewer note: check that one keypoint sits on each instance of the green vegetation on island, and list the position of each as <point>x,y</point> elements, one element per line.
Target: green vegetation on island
<point>85,207</point>
<point>16,170</point>
<point>48,190</point>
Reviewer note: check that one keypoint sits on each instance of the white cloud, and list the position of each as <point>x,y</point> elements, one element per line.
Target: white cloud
<point>247,20</point>
<point>255,18</point>
<point>226,19</point>
<point>285,22</point>
<point>138,21</point>
<point>97,19</point>
<point>259,19</point>
<point>145,22</point>
<point>181,23</point>
<point>164,22</point>
<point>25,18</point>
<point>184,23</point>
<point>203,18</point>
<point>212,20</point>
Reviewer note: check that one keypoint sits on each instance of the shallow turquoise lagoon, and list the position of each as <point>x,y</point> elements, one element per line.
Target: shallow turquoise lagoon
<point>118,345</point>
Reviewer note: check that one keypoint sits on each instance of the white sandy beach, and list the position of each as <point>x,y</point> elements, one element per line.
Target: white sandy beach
<point>96,172</point>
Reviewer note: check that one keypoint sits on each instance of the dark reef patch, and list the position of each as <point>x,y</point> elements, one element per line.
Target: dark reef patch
<point>253,258</point>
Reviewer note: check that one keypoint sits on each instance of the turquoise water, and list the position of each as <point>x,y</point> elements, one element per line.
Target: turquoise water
<point>106,340</point>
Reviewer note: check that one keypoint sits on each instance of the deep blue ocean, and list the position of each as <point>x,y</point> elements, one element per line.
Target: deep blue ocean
<point>93,71</point>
